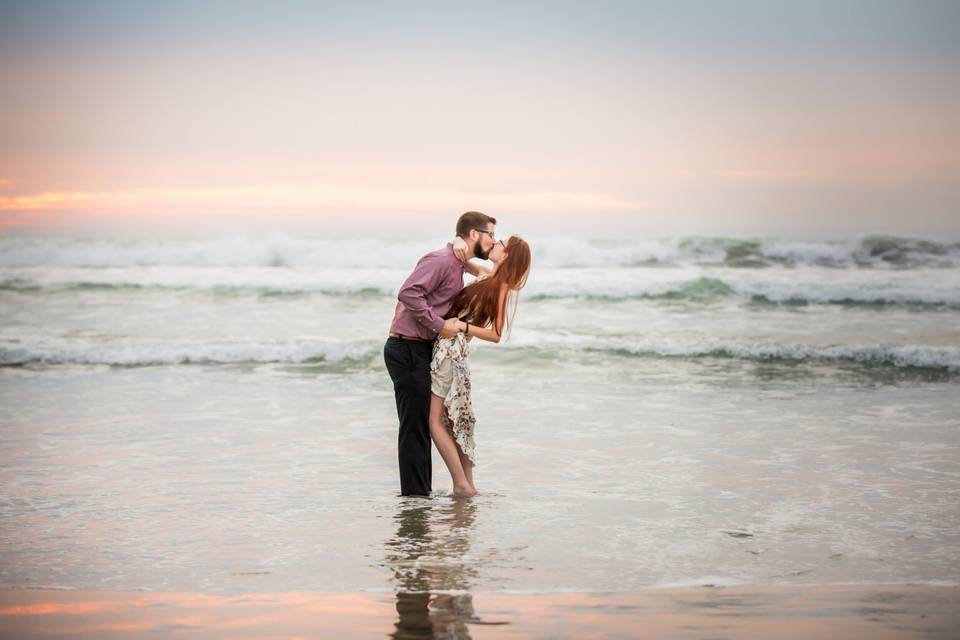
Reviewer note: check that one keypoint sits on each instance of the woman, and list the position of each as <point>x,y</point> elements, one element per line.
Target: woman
<point>482,309</point>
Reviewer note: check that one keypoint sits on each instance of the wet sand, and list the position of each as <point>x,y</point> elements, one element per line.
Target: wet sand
<point>876,612</point>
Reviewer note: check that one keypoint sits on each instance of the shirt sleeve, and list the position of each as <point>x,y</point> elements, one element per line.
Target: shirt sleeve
<point>425,278</point>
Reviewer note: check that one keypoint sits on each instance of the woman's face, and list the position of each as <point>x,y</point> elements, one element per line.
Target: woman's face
<point>499,252</point>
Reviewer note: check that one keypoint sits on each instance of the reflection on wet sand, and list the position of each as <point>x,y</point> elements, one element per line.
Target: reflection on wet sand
<point>786,613</point>
<point>429,554</point>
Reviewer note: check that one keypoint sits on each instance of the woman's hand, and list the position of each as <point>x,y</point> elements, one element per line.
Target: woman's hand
<point>461,326</point>
<point>460,249</point>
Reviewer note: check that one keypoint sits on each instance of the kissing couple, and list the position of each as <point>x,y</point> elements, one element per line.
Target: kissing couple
<point>427,351</point>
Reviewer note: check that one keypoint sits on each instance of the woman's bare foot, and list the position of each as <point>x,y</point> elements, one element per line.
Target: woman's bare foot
<point>464,491</point>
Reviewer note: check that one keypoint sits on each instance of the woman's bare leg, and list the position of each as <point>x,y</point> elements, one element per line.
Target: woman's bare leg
<point>464,462</point>
<point>448,449</point>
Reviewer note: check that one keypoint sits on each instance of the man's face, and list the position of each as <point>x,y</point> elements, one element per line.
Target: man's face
<point>485,242</point>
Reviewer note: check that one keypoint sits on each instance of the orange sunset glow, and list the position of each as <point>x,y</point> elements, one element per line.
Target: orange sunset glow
<point>626,114</point>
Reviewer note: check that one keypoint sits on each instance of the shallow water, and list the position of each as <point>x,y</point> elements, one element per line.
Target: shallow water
<point>233,429</point>
<point>222,478</point>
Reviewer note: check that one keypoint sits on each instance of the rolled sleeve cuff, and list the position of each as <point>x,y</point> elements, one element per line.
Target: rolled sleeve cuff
<point>434,325</point>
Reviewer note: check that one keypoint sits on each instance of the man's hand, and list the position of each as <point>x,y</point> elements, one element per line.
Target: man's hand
<point>460,249</point>
<point>451,327</point>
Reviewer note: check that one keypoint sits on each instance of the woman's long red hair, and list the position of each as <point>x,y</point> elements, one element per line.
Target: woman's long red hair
<point>481,298</point>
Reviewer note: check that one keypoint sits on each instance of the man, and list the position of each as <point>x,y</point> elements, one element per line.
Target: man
<point>424,299</point>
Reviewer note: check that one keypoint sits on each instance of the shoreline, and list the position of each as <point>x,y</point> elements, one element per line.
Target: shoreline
<point>801,612</point>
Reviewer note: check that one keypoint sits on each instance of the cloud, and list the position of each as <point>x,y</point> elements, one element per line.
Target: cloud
<point>314,197</point>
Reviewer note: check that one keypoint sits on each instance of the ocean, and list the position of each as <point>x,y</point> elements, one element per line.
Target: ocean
<point>214,415</point>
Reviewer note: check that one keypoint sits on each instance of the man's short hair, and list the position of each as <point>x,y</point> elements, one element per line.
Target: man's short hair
<point>472,220</point>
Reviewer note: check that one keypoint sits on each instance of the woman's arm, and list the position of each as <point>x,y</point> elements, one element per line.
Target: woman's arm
<point>460,250</point>
<point>483,333</point>
<point>477,269</point>
<point>490,335</point>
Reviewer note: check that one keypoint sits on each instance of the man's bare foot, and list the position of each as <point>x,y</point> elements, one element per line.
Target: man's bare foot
<point>464,491</point>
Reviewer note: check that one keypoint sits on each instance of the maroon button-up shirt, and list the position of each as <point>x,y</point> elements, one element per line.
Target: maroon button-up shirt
<point>427,294</point>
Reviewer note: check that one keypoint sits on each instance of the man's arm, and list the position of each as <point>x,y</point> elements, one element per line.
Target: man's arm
<point>425,278</point>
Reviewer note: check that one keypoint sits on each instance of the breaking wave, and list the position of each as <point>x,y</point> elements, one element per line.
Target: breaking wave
<point>121,352</point>
<point>611,287</point>
<point>283,250</point>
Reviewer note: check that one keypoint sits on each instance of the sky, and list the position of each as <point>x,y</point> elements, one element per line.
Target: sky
<point>791,118</point>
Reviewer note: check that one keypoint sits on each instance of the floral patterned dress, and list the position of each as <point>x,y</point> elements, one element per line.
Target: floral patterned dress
<point>450,379</point>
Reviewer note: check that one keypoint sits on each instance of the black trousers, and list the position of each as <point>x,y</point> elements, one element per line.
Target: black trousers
<point>408,363</point>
